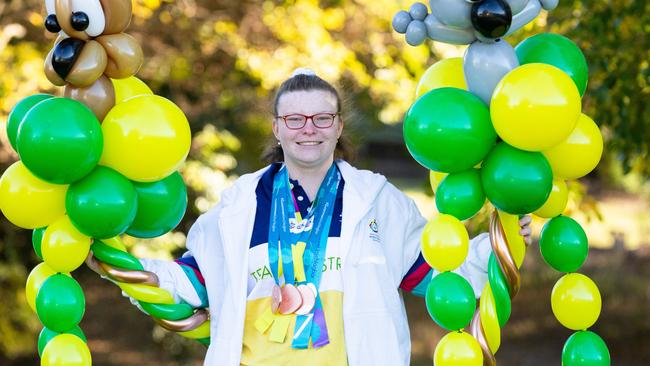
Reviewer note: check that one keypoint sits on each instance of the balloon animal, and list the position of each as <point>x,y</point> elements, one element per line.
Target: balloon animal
<point>91,48</point>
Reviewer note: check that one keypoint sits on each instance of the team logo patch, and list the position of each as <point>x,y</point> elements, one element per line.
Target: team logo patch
<point>373,225</point>
<point>374,230</point>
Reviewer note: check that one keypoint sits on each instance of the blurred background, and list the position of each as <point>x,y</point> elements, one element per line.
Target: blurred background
<point>220,61</point>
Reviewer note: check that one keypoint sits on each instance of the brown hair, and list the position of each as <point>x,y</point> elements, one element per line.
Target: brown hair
<point>303,82</point>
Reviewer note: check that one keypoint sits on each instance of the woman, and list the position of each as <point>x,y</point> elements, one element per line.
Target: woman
<point>343,242</point>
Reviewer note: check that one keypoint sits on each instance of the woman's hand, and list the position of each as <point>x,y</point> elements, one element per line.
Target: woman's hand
<point>525,231</point>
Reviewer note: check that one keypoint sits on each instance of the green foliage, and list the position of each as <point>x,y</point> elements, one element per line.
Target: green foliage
<point>614,38</point>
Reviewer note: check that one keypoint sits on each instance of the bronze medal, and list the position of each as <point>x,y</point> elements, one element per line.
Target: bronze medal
<point>276,299</point>
<point>291,299</point>
<point>308,300</point>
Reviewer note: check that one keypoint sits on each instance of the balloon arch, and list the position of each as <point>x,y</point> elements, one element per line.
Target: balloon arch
<point>500,123</point>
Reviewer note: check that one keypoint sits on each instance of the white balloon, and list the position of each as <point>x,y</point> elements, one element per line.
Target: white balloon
<point>95,12</point>
<point>49,7</point>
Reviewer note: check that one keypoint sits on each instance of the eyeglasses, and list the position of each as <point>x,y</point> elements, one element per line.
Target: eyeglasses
<point>296,121</point>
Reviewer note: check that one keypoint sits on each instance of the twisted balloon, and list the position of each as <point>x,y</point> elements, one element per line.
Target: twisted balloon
<point>110,259</point>
<point>504,281</point>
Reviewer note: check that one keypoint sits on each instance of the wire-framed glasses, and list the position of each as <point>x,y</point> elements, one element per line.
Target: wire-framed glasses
<point>296,121</point>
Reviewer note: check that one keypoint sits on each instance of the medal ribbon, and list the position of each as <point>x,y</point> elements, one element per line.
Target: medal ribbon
<point>281,239</point>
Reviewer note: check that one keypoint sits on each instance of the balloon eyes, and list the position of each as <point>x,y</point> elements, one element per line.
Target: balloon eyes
<point>51,24</point>
<point>79,21</point>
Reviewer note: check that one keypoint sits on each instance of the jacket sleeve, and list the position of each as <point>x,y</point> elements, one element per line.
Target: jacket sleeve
<point>182,278</point>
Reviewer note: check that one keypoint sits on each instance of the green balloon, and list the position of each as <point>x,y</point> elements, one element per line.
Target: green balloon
<point>161,206</point>
<point>46,336</point>
<point>103,204</point>
<point>448,130</point>
<point>37,238</point>
<point>516,181</point>
<point>500,290</point>
<point>18,113</point>
<point>60,303</point>
<point>585,348</point>
<point>556,50</point>
<point>60,140</point>
<point>461,194</point>
<point>563,244</point>
<point>450,301</point>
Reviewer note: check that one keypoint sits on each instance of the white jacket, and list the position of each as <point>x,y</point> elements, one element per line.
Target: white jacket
<point>374,318</point>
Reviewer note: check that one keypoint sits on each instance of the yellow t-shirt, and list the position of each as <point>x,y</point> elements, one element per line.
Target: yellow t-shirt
<point>258,349</point>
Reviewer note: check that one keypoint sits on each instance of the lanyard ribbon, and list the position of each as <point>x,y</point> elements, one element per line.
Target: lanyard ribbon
<point>312,230</point>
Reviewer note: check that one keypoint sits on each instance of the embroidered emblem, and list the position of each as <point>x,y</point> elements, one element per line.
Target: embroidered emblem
<point>374,231</point>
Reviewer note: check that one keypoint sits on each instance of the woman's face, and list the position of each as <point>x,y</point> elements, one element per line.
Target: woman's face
<point>309,146</point>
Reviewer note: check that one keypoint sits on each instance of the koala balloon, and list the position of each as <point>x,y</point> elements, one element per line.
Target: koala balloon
<point>91,48</point>
<point>481,24</point>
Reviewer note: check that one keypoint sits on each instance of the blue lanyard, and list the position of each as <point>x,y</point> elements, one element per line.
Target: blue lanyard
<point>281,238</point>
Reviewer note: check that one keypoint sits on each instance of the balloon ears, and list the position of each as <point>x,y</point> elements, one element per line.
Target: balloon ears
<point>117,14</point>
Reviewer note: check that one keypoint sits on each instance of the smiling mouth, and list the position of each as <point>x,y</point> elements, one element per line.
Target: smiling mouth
<point>309,143</point>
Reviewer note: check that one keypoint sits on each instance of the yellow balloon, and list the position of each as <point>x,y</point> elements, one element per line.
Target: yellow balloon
<point>66,350</point>
<point>458,349</point>
<point>146,138</point>
<point>556,202</point>
<point>435,178</point>
<point>64,248</point>
<point>27,201</point>
<point>510,224</point>
<point>576,301</point>
<point>146,293</point>
<point>35,280</point>
<point>489,318</point>
<point>202,331</point>
<point>129,88</point>
<point>115,242</point>
<point>445,243</point>
<point>444,73</point>
<point>579,154</point>
<point>535,107</point>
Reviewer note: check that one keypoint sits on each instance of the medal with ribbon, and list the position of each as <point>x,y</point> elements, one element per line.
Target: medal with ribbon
<point>296,253</point>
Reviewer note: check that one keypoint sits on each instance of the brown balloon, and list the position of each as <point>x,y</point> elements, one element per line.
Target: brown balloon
<point>117,14</point>
<point>124,55</point>
<point>476,330</point>
<point>64,12</point>
<point>194,321</point>
<point>99,97</point>
<point>501,249</point>
<point>90,65</point>
<point>93,264</point>
<point>130,276</point>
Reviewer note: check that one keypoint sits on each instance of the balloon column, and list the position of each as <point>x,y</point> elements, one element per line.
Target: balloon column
<point>95,164</point>
<point>505,124</point>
